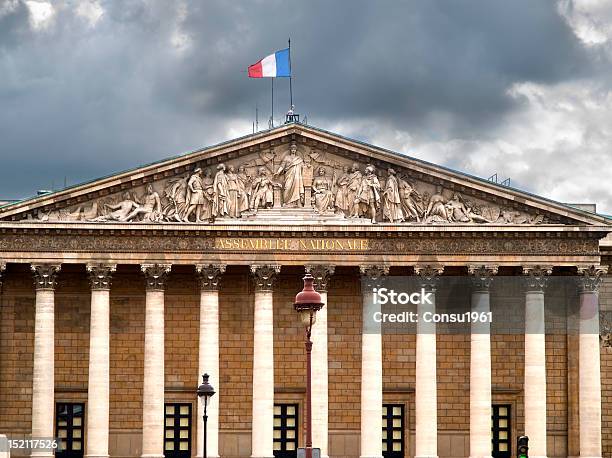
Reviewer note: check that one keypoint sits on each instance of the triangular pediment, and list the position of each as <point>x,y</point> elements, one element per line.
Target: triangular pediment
<point>323,178</point>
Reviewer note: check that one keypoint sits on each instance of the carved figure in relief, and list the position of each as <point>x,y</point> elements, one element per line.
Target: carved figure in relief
<point>120,210</point>
<point>293,186</point>
<point>323,195</point>
<point>233,193</point>
<point>436,210</point>
<point>367,199</point>
<point>176,193</point>
<point>392,203</point>
<point>262,194</point>
<point>342,202</point>
<point>475,217</point>
<point>220,192</point>
<point>244,186</point>
<point>199,196</point>
<point>353,186</point>
<point>411,200</point>
<point>456,209</point>
<point>151,209</point>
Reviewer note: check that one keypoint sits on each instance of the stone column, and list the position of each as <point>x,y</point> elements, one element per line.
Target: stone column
<point>426,396</point>
<point>209,276</point>
<point>320,375</point>
<point>371,367</point>
<point>589,381</point>
<point>43,408</point>
<point>99,354</point>
<point>535,359</point>
<point>153,387</point>
<point>262,441</point>
<point>480,364</point>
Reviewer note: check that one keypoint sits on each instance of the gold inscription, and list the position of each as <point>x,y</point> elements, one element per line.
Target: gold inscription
<point>284,244</point>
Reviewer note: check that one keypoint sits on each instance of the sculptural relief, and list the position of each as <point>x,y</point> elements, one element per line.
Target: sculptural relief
<point>341,202</point>
<point>220,193</point>
<point>322,191</point>
<point>392,203</point>
<point>367,198</point>
<point>290,181</point>
<point>293,183</point>
<point>262,193</point>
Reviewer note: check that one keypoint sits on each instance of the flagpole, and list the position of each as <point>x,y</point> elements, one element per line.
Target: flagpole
<point>290,78</point>
<point>272,119</point>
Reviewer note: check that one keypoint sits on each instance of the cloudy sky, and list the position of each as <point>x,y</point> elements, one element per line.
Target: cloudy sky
<point>522,88</point>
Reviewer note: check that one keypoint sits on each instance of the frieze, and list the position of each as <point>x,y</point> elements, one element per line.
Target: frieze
<point>156,243</point>
<point>292,182</point>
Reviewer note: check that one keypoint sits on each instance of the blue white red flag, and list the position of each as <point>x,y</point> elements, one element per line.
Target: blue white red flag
<point>273,66</point>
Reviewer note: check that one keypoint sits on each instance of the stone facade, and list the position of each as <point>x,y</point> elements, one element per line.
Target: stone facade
<point>239,271</point>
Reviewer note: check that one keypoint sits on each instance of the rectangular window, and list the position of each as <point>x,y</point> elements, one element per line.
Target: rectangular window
<point>285,430</point>
<point>500,426</point>
<point>69,428</point>
<point>393,431</point>
<point>177,430</point>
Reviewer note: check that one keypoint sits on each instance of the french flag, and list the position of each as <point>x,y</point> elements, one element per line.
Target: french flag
<point>273,66</point>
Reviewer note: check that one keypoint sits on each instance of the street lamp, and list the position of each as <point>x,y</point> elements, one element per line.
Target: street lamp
<point>205,392</point>
<point>307,304</point>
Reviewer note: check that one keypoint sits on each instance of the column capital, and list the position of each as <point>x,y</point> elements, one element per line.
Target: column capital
<point>45,275</point>
<point>209,276</point>
<point>429,274</point>
<point>536,277</point>
<point>482,276</point>
<point>373,271</point>
<point>589,278</point>
<point>322,274</point>
<point>100,275</point>
<point>155,275</point>
<point>265,275</point>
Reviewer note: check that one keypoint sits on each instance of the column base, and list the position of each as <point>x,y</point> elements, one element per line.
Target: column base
<point>152,455</point>
<point>97,456</point>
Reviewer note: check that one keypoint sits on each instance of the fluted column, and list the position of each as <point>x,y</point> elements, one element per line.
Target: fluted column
<point>153,387</point>
<point>209,276</point>
<point>43,380</point>
<point>320,372</point>
<point>535,359</point>
<point>371,366</point>
<point>99,354</point>
<point>480,363</point>
<point>262,442</point>
<point>589,381</point>
<point>426,396</point>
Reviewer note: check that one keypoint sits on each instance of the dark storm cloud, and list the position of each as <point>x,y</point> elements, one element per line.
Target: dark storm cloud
<point>150,80</point>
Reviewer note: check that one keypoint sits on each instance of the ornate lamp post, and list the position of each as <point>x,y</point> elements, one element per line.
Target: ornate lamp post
<point>307,303</point>
<point>205,391</point>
